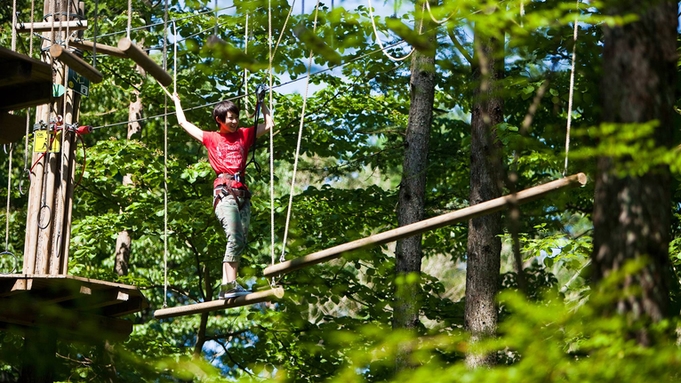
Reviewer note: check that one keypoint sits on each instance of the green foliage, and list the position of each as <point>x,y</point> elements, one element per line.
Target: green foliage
<point>334,323</point>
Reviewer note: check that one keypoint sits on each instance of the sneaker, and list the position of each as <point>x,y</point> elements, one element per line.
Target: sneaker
<point>232,290</point>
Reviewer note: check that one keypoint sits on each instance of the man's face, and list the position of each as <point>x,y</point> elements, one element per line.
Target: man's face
<point>230,124</point>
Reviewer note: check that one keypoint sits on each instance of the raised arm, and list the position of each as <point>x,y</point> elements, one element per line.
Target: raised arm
<point>190,128</point>
<point>268,124</point>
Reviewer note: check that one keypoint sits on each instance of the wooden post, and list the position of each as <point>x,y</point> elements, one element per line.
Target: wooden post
<point>220,304</point>
<point>141,58</point>
<point>49,202</point>
<point>48,26</point>
<point>451,218</point>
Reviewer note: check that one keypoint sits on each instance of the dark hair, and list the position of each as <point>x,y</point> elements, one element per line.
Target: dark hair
<point>220,110</point>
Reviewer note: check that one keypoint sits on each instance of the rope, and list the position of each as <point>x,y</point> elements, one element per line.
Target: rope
<point>130,19</point>
<point>174,60</point>
<point>283,29</point>
<point>216,18</point>
<point>94,42</point>
<point>9,196</point>
<point>572,87</point>
<point>246,69</point>
<point>269,43</point>
<point>28,114</point>
<point>300,135</point>
<point>165,159</point>
<point>14,25</point>
<point>30,40</point>
<point>378,39</point>
<point>436,21</point>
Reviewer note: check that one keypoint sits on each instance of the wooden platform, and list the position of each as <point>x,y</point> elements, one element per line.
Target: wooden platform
<point>24,82</point>
<point>79,308</point>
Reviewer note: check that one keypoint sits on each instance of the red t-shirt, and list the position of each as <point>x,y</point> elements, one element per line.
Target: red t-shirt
<point>228,152</point>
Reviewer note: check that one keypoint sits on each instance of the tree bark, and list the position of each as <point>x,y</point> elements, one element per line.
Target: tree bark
<point>632,213</point>
<point>411,203</point>
<point>123,242</point>
<point>486,177</point>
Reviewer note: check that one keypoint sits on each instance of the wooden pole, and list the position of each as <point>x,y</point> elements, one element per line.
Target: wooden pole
<point>141,58</point>
<point>47,26</point>
<point>198,308</point>
<point>76,63</point>
<point>451,218</point>
<point>101,48</point>
<point>34,193</point>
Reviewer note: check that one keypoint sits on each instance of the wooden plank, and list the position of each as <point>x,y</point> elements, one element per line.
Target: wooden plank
<point>101,298</point>
<point>134,52</point>
<point>76,63</point>
<point>100,48</point>
<point>198,308</point>
<point>48,26</point>
<point>406,231</point>
<point>15,71</point>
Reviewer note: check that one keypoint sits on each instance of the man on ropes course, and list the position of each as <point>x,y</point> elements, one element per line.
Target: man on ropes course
<point>228,153</point>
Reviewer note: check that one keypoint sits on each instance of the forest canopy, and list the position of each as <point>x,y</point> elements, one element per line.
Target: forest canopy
<point>524,92</point>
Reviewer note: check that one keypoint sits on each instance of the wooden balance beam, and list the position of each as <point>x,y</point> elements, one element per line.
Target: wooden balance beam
<point>451,218</point>
<point>142,59</point>
<point>203,307</point>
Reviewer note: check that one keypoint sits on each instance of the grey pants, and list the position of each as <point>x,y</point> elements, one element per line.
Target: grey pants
<point>235,222</point>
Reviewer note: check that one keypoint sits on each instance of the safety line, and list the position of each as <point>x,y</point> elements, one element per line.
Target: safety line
<point>14,25</point>
<point>298,144</point>
<point>378,39</point>
<point>271,57</point>
<point>238,97</point>
<point>572,87</point>
<point>9,195</point>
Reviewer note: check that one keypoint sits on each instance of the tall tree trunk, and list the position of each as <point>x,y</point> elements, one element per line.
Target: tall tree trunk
<point>123,242</point>
<point>632,213</point>
<point>408,251</point>
<point>486,177</point>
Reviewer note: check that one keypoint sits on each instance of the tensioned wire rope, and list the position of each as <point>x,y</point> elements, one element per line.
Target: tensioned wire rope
<point>147,26</point>
<point>239,97</point>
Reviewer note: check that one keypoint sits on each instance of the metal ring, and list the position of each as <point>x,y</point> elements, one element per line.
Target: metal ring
<point>40,215</point>
<point>14,259</point>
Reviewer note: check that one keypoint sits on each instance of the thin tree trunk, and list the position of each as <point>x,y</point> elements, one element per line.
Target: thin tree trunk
<point>486,177</point>
<point>408,251</point>
<point>632,213</point>
<point>123,242</point>
<point>203,323</point>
